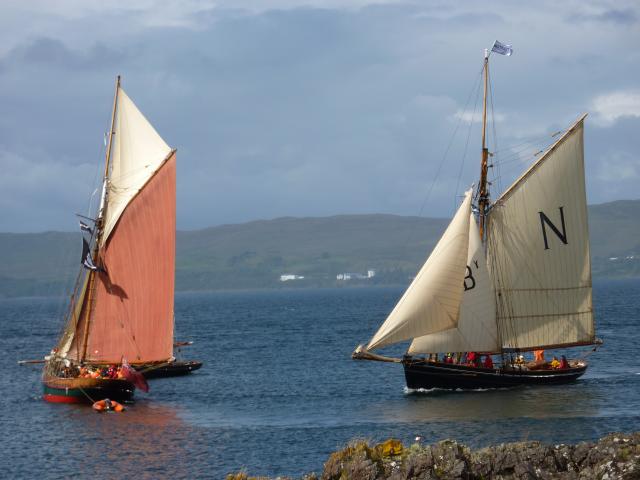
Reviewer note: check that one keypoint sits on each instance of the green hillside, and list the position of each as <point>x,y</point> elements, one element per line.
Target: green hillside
<point>255,254</point>
<point>615,237</point>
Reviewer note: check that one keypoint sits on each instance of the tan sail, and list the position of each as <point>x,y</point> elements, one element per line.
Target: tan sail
<point>432,301</point>
<point>132,314</point>
<point>476,330</point>
<point>538,250</point>
<point>137,153</point>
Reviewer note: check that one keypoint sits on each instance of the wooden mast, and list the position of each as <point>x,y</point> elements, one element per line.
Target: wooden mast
<point>483,193</point>
<point>99,221</point>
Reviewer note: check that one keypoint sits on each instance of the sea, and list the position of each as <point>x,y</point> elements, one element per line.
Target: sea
<point>279,392</point>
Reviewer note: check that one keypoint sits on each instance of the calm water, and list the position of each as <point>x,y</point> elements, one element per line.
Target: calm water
<point>279,392</point>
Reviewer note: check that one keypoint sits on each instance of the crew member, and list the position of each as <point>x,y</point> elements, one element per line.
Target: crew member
<point>563,363</point>
<point>488,362</point>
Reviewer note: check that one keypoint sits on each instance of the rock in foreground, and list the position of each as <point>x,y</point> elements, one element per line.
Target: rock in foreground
<point>616,456</point>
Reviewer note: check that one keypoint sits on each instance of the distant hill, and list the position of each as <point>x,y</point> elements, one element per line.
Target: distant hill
<point>255,254</point>
<point>615,238</point>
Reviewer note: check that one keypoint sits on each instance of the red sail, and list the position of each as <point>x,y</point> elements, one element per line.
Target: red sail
<point>132,311</point>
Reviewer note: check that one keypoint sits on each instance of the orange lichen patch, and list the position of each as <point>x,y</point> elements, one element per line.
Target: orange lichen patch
<point>390,448</point>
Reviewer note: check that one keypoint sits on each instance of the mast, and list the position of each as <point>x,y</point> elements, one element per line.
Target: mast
<point>108,158</point>
<point>99,221</point>
<point>483,194</point>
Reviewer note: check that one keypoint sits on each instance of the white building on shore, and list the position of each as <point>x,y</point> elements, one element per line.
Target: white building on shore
<point>356,276</point>
<point>289,277</point>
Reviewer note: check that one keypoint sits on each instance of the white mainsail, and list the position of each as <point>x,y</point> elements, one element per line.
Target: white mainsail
<point>538,251</point>
<point>432,301</point>
<point>137,153</point>
<point>476,330</point>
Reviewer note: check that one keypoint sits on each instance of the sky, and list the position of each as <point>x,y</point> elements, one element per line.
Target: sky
<point>311,107</point>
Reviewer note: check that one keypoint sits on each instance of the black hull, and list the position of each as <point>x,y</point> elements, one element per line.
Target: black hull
<point>427,375</point>
<point>173,369</point>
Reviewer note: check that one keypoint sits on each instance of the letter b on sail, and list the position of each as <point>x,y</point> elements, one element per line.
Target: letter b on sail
<point>561,235</point>
<point>469,278</point>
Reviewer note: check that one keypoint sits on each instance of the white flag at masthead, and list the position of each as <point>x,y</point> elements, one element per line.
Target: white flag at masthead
<point>502,48</point>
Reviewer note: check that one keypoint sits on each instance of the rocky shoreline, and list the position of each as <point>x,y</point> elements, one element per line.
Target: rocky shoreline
<point>616,456</point>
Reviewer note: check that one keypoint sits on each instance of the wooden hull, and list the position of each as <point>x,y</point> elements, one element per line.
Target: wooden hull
<point>85,390</point>
<point>173,369</point>
<point>421,374</point>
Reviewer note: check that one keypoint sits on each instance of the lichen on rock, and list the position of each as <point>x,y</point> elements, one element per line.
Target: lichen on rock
<point>616,456</point>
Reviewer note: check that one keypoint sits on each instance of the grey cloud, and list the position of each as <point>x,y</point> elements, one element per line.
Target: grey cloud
<point>53,53</point>
<point>618,17</point>
<point>302,111</point>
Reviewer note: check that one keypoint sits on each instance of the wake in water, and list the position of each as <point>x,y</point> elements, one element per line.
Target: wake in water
<point>422,391</point>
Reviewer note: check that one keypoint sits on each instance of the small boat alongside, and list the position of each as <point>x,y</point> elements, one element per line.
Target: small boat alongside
<point>507,277</point>
<point>108,405</point>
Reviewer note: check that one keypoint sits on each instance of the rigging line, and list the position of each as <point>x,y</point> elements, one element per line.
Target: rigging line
<point>533,139</point>
<point>66,285</point>
<point>86,394</point>
<point>521,157</point>
<point>444,157</point>
<point>493,128</point>
<point>466,146</point>
<point>522,160</point>
<point>56,288</point>
<point>515,167</point>
<point>515,154</point>
<point>529,146</point>
<point>541,146</point>
<point>95,179</point>
<point>505,303</point>
<point>497,274</point>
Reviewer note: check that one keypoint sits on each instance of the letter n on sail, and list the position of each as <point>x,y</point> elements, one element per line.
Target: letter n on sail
<point>561,235</point>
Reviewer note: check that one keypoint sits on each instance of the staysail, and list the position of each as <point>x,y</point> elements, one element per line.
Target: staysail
<point>476,330</point>
<point>127,311</point>
<point>432,301</point>
<point>137,153</point>
<point>538,252</point>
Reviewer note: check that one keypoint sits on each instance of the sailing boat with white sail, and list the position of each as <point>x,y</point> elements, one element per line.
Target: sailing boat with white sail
<point>121,312</point>
<point>515,279</point>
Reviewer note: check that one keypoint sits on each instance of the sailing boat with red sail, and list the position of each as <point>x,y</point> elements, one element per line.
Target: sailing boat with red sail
<point>121,311</point>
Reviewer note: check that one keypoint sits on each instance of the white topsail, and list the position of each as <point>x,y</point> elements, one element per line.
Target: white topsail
<point>432,301</point>
<point>538,251</point>
<point>137,153</point>
<point>476,330</point>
